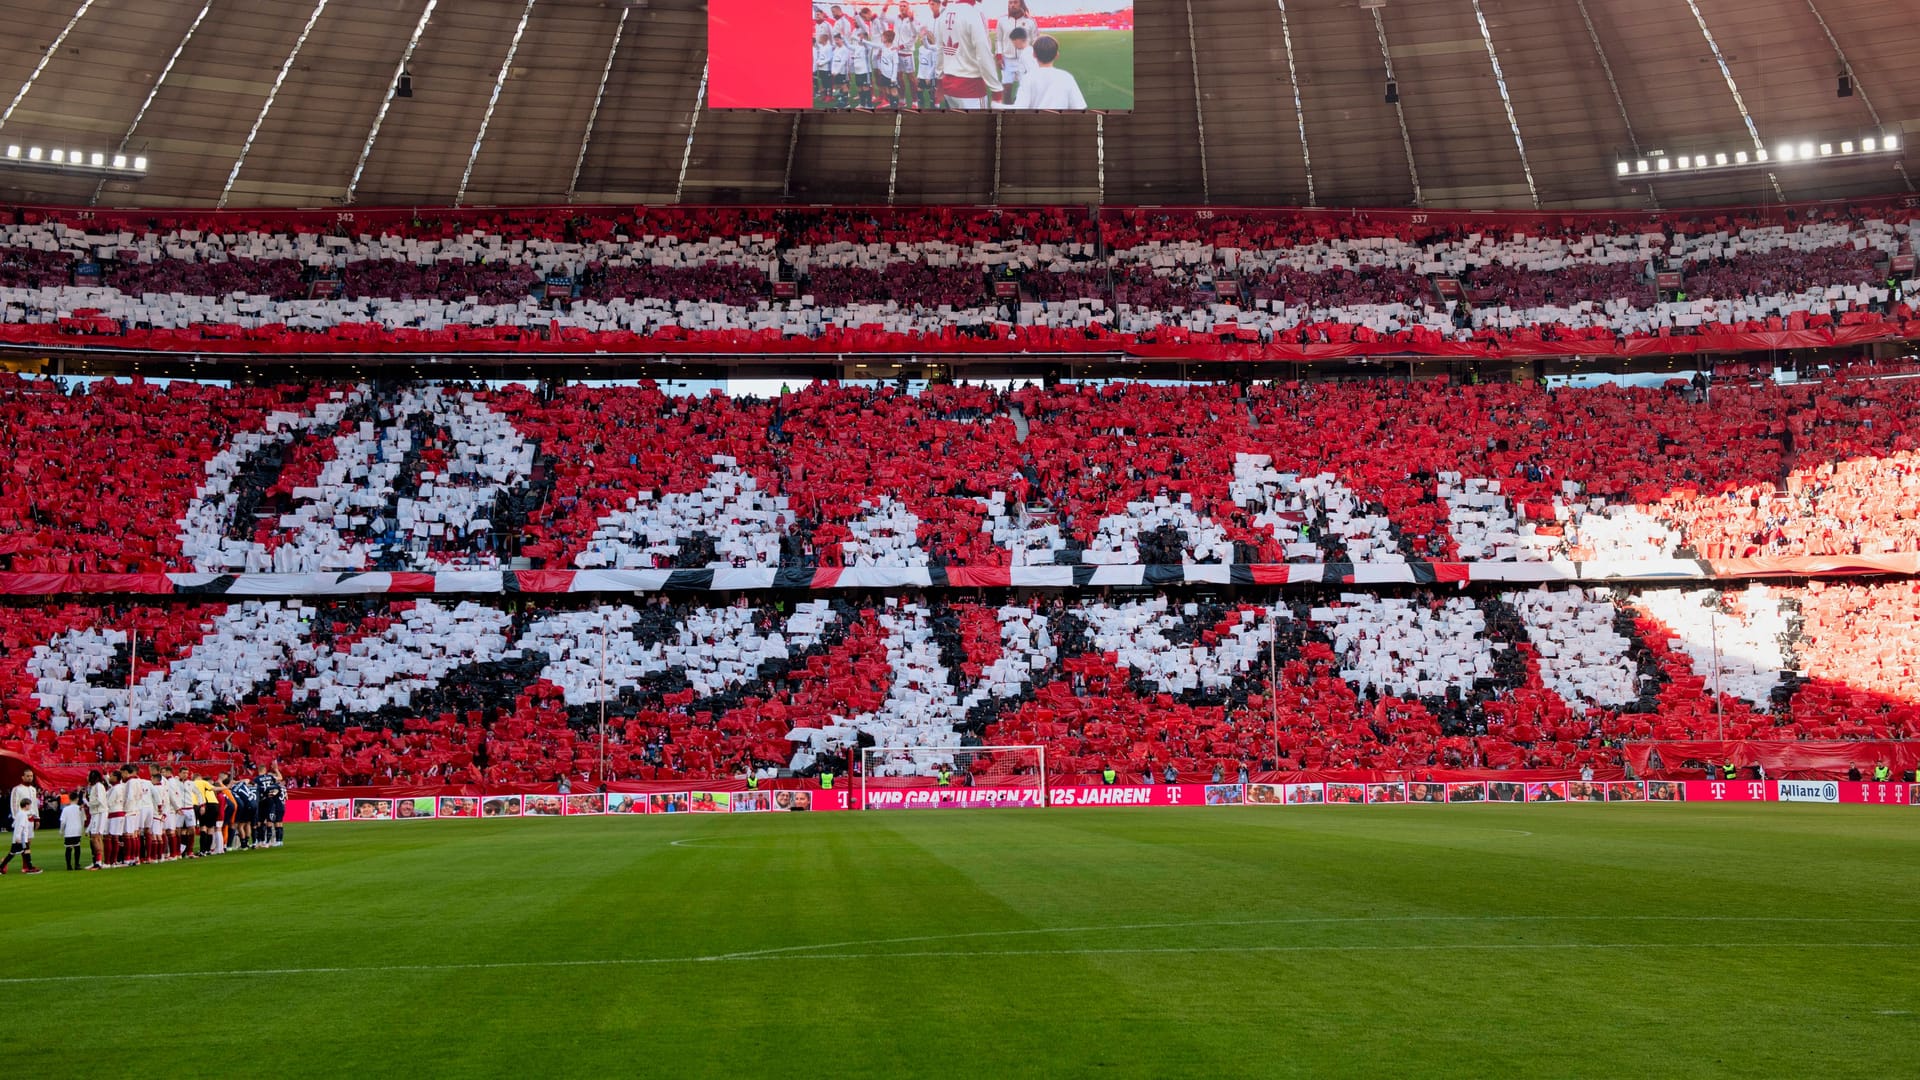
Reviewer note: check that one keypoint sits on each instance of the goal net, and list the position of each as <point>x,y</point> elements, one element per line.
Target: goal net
<point>952,777</point>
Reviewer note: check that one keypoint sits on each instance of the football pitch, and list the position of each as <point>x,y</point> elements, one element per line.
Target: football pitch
<point>1642,940</point>
<point>1102,63</point>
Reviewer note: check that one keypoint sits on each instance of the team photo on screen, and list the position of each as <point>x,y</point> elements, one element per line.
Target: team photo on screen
<point>962,54</point>
<point>935,55</point>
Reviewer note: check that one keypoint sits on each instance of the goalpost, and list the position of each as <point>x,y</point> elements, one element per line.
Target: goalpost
<point>897,777</point>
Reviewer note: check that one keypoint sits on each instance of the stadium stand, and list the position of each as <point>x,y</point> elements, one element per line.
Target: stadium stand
<point>1330,479</point>
<point>318,477</point>
<point>856,504</point>
<point>376,691</point>
<point>702,279</point>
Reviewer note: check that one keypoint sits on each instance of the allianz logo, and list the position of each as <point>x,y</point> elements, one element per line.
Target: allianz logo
<point>1821,792</point>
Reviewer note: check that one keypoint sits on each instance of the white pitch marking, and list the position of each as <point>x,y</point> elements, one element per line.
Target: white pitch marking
<point>1501,947</point>
<point>814,951</point>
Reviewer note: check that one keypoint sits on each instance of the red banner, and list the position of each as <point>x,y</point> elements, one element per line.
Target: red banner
<point>1807,760</point>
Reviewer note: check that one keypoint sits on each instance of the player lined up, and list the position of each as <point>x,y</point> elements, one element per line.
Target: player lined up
<point>129,818</point>
<point>945,57</point>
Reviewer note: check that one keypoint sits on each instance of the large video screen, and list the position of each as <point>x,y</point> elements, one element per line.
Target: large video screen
<point>930,56</point>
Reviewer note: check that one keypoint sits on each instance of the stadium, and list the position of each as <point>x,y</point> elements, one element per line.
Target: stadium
<point>1048,538</point>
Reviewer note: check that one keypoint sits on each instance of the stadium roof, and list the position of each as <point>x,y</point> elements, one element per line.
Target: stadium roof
<point>183,82</point>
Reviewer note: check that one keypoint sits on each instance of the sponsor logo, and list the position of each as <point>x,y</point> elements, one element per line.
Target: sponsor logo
<point>1808,791</point>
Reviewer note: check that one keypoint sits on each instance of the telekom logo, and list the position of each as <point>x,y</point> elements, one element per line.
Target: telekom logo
<point>1173,794</point>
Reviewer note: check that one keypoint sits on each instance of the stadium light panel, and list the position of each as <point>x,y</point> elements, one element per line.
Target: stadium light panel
<point>140,164</point>
<point>1738,159</point>
<point>34,153</point>
<point>59,156</point>
<point>97,159</point>
<point>13,152</point>
<point>119,161</point>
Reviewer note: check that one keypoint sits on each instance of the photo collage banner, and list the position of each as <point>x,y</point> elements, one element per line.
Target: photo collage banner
<point>787,800</point>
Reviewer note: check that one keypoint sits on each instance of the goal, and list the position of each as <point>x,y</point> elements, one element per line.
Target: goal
<point>909,777</point>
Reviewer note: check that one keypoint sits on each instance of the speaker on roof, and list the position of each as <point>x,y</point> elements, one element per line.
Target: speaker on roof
<point>1393,92</point>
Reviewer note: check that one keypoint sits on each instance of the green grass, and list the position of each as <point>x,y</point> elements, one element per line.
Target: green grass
<point>1472,941</point>
<point>1102,63</point>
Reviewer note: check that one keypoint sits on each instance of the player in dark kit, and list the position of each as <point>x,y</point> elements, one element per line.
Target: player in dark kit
<point>273,806</point>
<point>246,798</point>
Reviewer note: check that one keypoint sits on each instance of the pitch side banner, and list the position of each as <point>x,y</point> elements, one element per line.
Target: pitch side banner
<point>950,798</point>
<point>899,56</point>
<point>1851,792</point>
<point>1141,795</point>
<point>1831,792</point>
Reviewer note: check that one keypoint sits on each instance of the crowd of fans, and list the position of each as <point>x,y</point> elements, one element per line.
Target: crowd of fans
<point>119,477</point>
<point>131,478</point>
<point>720,277</point>
<point>377,691</point>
